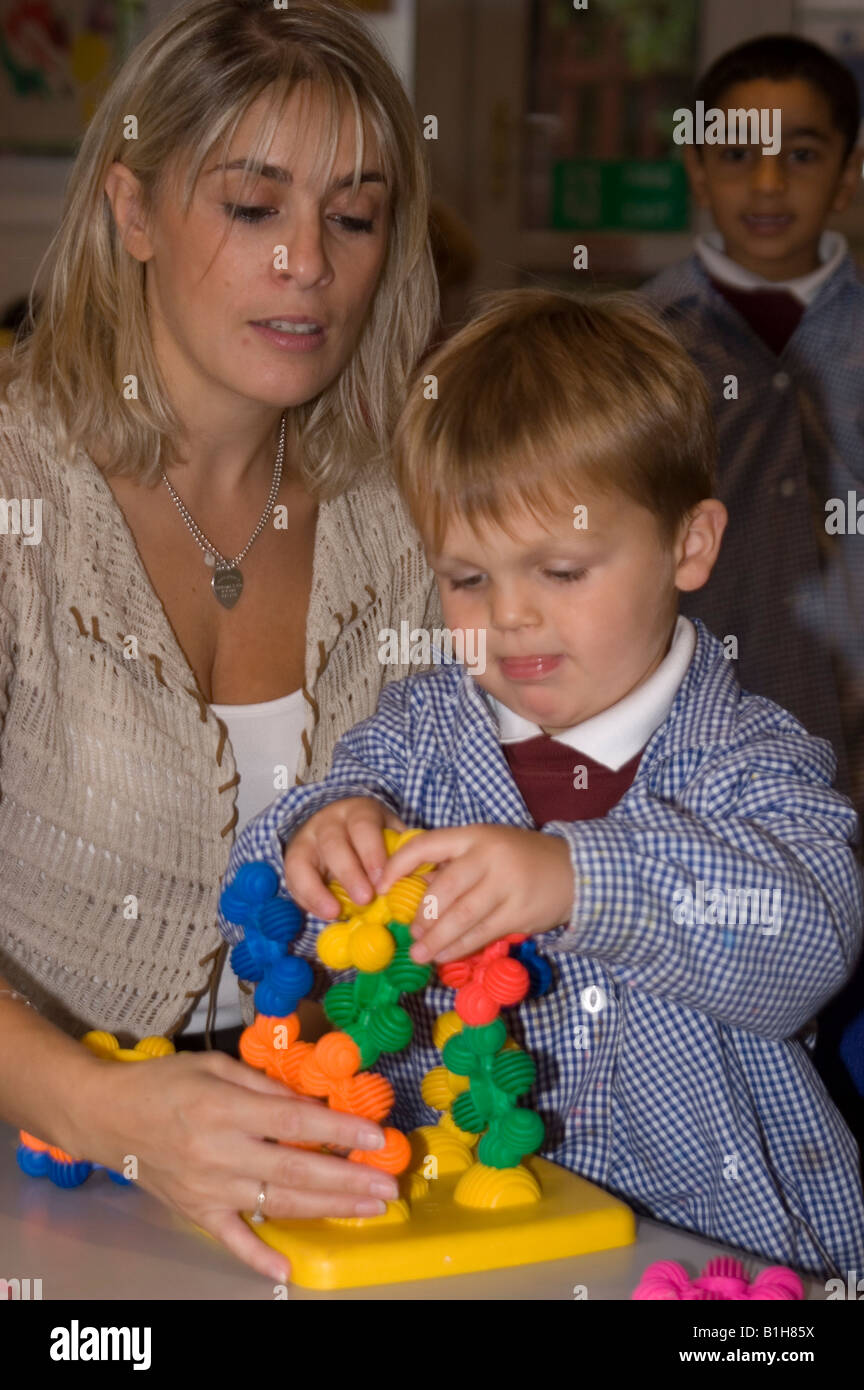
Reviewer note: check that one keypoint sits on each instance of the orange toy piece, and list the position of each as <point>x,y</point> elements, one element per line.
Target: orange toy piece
<point>326,1070</point>
<point>393,1158</point>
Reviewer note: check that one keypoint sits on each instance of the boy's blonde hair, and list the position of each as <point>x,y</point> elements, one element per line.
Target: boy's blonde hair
<point>189,85</point>
<point>545,392</point>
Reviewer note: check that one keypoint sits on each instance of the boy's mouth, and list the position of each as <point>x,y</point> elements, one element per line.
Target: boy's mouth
<point>767,224</point>
<point>528,668</point>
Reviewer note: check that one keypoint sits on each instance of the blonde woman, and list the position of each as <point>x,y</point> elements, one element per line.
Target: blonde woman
<point>199,419</point>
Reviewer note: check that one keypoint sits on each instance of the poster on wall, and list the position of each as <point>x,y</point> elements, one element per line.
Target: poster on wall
<point>57,58</point>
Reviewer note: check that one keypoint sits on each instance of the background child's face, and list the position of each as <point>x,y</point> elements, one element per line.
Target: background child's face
<point>574,619</point>
<point>771,209</point>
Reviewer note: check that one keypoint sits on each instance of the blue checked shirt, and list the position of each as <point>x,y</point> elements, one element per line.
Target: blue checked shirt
<point>686,1092</point>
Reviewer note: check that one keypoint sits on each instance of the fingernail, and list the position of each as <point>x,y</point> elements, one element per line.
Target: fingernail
<point>370,1208</point>
<point>279,1273</point>
<point>388,1190</point>
<point>371,1139</point>
<point>420,953</point>
<point>376,875</point>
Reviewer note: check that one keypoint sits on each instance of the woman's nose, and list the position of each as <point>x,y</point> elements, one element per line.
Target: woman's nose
<point>302,257</point>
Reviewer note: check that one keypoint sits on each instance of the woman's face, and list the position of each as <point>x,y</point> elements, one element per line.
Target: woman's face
<point>275,315</point>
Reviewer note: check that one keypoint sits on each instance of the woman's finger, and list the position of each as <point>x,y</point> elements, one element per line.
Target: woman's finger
<point>232,1232</point>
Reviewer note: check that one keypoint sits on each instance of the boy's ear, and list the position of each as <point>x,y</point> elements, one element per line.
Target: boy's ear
<point>699,544</point>
<point>850,175</point>
<point>695,166</point>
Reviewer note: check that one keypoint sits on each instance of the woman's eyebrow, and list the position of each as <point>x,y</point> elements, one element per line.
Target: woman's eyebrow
<point>277,174</point>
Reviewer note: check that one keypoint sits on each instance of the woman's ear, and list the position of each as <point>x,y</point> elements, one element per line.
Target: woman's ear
<point>699,544</point>
<point>124,193</point>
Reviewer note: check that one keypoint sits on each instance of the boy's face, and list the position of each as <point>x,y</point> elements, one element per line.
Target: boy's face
<point>574,619</point>
<point>771,209</point>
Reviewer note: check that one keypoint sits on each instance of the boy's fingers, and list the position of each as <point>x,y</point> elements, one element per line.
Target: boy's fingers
<point>446,886</point>
<point>459,922</point>
<point>344,866</point>
<point>303,880</point>
<point>432,847</point>
<point>453,939</point>
<point>368,842</point>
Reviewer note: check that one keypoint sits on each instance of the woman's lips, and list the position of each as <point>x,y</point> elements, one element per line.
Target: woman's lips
<point>291,342</point>
<point>528,668</point>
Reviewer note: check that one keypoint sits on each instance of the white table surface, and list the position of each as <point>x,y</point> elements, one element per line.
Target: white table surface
<point>103,1241</point>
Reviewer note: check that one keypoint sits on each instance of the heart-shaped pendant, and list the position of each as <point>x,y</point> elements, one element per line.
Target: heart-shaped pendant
<point>227,585</point>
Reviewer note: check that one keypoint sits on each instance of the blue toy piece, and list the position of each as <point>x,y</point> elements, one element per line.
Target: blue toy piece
<point>270,922</point>
<point>539,969</point>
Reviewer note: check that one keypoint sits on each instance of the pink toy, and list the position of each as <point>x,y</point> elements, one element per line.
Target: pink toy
<point>722,1279</point>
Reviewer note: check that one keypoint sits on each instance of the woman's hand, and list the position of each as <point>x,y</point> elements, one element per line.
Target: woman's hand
<point>491,880</point>
<point>196,1125</point>
<point>342,842</point>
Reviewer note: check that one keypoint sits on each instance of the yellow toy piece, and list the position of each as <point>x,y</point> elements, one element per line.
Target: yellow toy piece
<point>454,1214</point>
<point>441,1237</point>
<point>106,1046</point>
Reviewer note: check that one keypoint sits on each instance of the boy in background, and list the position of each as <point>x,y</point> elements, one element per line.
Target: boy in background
<point>771,307</point>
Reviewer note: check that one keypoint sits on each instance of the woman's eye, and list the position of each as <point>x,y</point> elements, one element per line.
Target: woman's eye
<point>238,213</point>
<point>568,576</point>
<point>354,224</point>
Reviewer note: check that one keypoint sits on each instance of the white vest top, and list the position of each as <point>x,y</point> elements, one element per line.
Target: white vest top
<point>264,738</point>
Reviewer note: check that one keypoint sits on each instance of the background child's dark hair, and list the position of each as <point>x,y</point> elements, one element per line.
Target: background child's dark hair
<point>779,57</point>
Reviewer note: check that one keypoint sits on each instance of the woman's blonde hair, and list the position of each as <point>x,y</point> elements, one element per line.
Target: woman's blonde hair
<point>189,85</point>
<point>543,396</point>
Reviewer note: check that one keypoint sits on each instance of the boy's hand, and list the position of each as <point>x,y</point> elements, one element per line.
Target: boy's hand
<point>491,880</point>
<point>342,842</point>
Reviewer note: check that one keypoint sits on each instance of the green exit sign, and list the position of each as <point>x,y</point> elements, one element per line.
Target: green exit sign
<point>628,195</point>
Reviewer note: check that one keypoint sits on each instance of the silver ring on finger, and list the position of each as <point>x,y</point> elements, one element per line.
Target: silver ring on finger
<point>258,1214</point>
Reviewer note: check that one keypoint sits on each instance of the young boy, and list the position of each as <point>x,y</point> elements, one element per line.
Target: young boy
<point>771,307</point>
<point>596,780</point>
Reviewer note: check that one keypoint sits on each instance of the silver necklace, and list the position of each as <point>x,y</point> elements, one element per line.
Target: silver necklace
<point>227,581</point>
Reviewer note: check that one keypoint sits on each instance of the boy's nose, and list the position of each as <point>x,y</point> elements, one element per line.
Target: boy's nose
<point>511,612</point>
<point>769,173</point>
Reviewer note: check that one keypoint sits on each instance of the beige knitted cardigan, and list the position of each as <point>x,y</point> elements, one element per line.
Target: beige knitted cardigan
<point>117,782</point>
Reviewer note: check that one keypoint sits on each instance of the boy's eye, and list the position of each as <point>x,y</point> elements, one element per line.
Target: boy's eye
<point>803,156</point>
<point>730,154</point>
<point>568,576</point>
<point>238,213</point>
<point>468,583</point>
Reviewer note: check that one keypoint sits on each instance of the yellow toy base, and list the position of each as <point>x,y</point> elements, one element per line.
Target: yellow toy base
<point>573,1217</point>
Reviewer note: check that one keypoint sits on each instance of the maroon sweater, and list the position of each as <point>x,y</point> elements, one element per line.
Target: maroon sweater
<point>545,770</point>
<point>772,314</point>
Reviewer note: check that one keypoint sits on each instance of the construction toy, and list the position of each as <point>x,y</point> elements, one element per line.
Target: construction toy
<point>472,1195</point>
<point>722,1279</point>
<point>40,1160</point>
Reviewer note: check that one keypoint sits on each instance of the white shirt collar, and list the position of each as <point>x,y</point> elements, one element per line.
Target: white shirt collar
<point>618,733</point>
<point>832,248</point>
